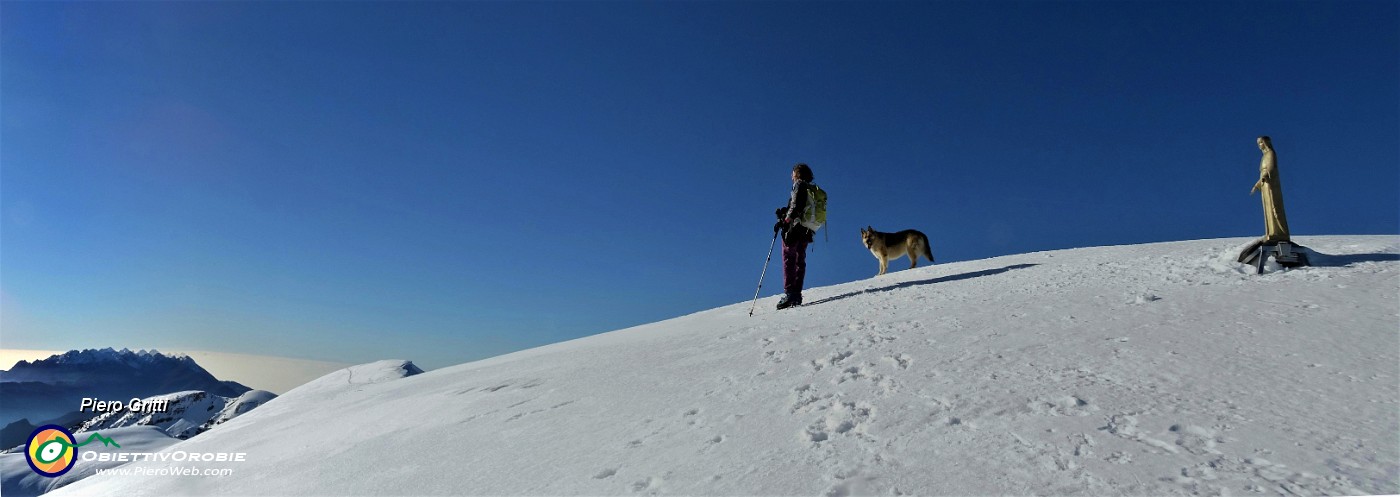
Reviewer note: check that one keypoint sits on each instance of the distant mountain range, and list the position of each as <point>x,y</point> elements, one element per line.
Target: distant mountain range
<point>49,392</point>
<point>51,389</point>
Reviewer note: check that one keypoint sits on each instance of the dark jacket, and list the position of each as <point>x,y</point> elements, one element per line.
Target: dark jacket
<point>797,204</point>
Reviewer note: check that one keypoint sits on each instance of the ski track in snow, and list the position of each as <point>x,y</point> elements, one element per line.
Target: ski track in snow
<point>1164,369</point>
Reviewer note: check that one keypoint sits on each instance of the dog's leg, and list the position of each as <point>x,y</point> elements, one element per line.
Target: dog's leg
<point>883,264</point>
<point>913,257</point>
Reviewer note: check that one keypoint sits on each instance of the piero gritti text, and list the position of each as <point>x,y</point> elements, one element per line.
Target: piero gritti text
<point>135,405</point>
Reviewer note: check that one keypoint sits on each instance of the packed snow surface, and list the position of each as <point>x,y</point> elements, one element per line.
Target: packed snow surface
<point>1157,369</point>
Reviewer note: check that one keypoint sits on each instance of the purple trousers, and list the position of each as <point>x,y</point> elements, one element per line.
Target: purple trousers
<point>794,266</point>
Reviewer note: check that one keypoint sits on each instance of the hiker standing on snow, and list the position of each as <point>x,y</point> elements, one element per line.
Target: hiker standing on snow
<point>795,237</point>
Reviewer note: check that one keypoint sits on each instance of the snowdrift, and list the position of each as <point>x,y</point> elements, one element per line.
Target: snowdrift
<point>1139,370</point>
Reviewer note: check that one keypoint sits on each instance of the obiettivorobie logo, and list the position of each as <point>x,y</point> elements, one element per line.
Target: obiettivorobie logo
<point>51,450</point>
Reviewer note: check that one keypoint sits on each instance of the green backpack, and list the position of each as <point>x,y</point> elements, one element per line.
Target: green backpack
<point>814,216</point>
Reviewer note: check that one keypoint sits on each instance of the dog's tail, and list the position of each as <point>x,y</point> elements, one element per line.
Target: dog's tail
<point>928,249</point>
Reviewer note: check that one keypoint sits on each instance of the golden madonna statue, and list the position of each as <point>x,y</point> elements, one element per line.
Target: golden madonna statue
<point>1275,222</point>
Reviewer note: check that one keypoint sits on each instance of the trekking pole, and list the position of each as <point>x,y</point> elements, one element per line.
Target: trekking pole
<point>764,273</point>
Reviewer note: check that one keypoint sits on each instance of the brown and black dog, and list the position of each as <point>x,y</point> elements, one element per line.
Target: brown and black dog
<point>889,246</point>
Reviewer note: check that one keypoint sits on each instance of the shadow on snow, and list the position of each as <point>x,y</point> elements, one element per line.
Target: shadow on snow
<point>1319,259</point>
<point>941,279</point>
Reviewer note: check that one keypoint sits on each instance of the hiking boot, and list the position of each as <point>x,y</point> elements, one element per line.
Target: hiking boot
<point>789,301</point>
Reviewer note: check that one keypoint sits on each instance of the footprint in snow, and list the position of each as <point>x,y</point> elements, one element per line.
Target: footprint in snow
<point>833,359</point>
<point>841,419</point>
<point>649,484</point>
<point>900,361</point>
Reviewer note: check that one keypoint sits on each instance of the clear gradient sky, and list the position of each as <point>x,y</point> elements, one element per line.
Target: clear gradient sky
<point>446,181</point>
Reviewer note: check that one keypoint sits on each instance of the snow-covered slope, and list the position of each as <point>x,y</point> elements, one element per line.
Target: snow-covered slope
<point>237,407</point>
<point>1134,370</point>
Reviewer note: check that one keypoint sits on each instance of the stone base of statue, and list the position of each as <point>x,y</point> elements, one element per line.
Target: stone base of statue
<point>1284,252</point>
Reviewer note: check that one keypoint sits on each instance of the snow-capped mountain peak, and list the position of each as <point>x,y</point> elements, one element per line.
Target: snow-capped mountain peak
<point>50,388</point>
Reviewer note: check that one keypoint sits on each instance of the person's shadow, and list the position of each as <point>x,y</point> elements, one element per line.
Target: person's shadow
<point>941,279</point>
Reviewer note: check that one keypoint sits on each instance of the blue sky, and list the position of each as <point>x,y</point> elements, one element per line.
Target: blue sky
<point>448,181</point>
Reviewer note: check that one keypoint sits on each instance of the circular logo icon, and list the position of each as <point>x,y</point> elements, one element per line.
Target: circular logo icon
<point>51,451</point>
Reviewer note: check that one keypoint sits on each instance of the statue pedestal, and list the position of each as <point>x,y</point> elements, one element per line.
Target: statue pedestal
<point>1285,253</point>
